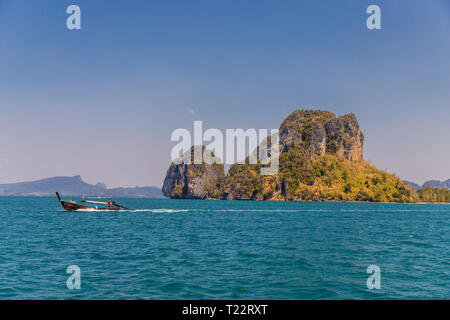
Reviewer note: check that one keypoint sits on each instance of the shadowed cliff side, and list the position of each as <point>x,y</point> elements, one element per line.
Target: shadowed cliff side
<point>186,180</point>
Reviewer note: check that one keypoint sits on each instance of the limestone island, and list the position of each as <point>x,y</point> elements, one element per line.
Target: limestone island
<point>321,159</point>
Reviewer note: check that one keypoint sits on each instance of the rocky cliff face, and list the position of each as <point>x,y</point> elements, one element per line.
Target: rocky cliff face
<point>344,138</point>
<point>322,132</point>
<point>305,127</point>
<point>194,181</point>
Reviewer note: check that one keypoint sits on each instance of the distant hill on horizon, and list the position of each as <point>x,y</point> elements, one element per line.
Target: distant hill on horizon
<point>431,183</point>
<point>75,186</point>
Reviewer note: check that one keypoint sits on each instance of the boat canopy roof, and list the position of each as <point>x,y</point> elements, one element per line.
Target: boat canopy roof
<point>94,202</point>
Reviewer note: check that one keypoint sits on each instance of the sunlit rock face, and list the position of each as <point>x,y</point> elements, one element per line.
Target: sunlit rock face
<point>321,132</point>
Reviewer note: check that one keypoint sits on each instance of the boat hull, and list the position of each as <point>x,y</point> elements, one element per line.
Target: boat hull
<point>69,206</point>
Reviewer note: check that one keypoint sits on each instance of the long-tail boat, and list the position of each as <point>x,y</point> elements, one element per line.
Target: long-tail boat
<point>108,205</point>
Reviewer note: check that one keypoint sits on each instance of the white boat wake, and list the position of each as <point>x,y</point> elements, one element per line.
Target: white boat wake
<point>138,210</point>
<point>160,210</point>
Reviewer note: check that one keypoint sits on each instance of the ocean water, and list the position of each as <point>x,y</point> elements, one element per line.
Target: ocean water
<point>189,249</point>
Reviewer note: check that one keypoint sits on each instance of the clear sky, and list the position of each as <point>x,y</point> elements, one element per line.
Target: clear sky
<point>102,101</point>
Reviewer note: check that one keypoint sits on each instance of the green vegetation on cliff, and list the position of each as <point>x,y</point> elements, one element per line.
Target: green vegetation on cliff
<point>329,178</point>
<point>305,177</point>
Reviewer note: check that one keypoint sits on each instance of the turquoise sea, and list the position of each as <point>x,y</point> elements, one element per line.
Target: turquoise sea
<point>189,249</point>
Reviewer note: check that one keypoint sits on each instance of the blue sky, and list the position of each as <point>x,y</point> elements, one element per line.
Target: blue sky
<point>103,101</point>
